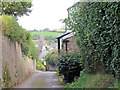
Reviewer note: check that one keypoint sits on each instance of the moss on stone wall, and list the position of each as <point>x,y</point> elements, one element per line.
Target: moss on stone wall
<point>6,77</point>
<point>0,82</point>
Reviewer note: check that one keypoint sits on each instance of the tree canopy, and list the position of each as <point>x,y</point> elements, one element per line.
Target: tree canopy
<point>16,8</point>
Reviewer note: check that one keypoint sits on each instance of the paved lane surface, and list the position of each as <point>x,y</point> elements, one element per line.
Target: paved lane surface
<point>41,80</point>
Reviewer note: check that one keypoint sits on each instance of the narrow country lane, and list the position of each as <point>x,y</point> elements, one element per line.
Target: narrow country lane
<point>41,80</point>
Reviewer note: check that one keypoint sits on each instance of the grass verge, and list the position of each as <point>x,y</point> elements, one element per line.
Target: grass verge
<point>60,79</point>
<point>94,81</point>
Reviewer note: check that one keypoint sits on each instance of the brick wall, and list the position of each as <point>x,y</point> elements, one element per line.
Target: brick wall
<point>71,46</point>
<point>15,67</point>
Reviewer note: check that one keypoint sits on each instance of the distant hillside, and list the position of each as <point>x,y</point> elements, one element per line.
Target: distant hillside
<point>58,30</point>
<point>47,33</point>
<point>50,37</point>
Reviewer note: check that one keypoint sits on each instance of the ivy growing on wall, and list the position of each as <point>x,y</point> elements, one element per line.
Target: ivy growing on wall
<point>97,27</point>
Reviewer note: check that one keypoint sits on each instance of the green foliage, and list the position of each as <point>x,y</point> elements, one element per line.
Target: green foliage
<point>15,33</point>
<point>97,27</point>
<point>13,30</point>
<point>94,81</point>
<point>28,47</point>
<point>16,8</point>
<point>60,82</point>
<point>70,66</point>
<point>6,77</point>
<point>57,73</point>
<point>40,66</point>
<point>51,58</point>
<point>60,78</point>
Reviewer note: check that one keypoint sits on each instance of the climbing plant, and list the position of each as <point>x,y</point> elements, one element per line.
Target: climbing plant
<point>97,27</point>
<point>16,33</point>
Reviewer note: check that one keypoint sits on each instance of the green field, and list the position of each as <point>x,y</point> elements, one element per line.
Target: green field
<point>33,33</point>
<point>45,33</point>
<point>58,30</point>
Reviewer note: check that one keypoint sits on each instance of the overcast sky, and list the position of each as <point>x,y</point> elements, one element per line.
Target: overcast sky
<point>46,14</point>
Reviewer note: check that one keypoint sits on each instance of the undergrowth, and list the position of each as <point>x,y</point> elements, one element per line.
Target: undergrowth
<point>94,81</point>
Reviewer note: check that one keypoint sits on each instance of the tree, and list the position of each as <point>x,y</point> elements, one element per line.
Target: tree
<point>16,8</point>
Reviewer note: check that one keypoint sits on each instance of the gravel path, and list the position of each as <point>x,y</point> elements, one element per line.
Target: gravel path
<point>41,80</point>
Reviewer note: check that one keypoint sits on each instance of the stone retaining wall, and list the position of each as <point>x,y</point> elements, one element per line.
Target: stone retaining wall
<point>15,67</point>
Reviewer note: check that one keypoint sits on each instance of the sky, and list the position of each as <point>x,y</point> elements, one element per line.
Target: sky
<point>46,14</point>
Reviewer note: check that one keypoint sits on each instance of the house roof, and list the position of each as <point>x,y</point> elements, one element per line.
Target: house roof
<point>68,36</point>
<point>66,33</point>
<point>62,35</point>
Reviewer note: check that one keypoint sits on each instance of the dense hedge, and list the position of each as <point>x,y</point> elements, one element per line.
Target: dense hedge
<point>70,66</point>
<point>40,66</point>
<point>15,33</point>
<point>51,58</point>
<point>97,27</point>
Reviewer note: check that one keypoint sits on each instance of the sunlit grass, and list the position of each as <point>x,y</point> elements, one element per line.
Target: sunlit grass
<point>94,81</point>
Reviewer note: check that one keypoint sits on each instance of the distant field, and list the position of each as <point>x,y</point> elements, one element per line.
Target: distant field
<point>38,33</point>
<point>58,30</point>
<point>45,33</point>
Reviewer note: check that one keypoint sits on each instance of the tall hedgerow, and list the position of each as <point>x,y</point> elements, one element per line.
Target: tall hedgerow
<point>97,27</point>
<point>52,58</point>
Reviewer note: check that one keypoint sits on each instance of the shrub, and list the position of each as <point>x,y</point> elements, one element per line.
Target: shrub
<point>51,58</point>
<point>57,73</point>
<point>40,66</point>
<point>10,28</point>
<point>70,66</point>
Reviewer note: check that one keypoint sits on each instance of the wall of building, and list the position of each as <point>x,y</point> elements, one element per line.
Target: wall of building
<point>15,67</point>
<point>71,46</point>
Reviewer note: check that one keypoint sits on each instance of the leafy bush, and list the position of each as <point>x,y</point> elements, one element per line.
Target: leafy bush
<point>57,73</point>
<point>15,33</point>
<point>40,66</point>
<point>70,66</point>
<point>97,27</point>
<point>11,28</point>
<point>51,58</point>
